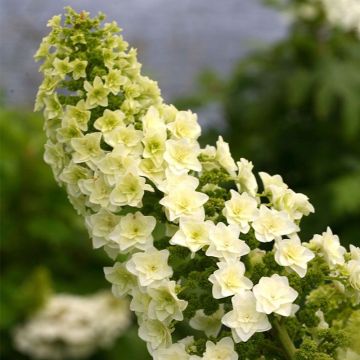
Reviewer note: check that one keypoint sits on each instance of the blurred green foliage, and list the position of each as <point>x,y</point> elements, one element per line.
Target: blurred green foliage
<point>294,110</point>
<point>44,244</point>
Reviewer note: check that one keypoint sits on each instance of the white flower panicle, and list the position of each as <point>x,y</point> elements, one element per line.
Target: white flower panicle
<point>71,326</point>
<point>187,227</point>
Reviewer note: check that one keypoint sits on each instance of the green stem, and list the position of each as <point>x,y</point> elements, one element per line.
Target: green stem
<point>285,340</point>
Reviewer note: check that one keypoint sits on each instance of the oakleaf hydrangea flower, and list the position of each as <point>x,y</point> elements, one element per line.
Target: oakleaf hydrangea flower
<point>197,244</point>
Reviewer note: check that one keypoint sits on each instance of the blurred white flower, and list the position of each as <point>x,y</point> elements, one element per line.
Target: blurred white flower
<point>71,326</point>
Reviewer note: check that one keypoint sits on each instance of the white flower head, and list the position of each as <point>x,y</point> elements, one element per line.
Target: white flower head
<point>222,350</point>
<point>109,120</point>
<point>100,225</point>
<point>240,210</point>
<point>129,190</point>
<point>150,266</point>
<point>87,147</point>
<point>223,156</point>
<point>329,246</point>
<point>229,279</point>
<point>185,125</point>
<point>354,252</point>
<point>98,190</point>
<point>154,146</point>
<point>271,224</point>
<point>184,202</point>
<point>140,302</point>
<point>97,93</point>
<point>290,252</point>
<point>174,180</point>
<point>295,204</point>
<point>182,155</point>
<point>244,320</point>
<point>192,233</point>
<point>353,267</point>
<point>152,121</point>
<point>155,333</point>
<point>275,295</point>
<point>210,324</point>
<point>165,304</point>
<point>225,242</point>
<point>271,180</point>
<point>122,281</point>
<point>245,179</point>
<point>127,136</point>
<point>134,230</point>
<point>173,352</point>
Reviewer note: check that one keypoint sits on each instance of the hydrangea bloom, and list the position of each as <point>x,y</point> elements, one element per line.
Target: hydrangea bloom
<point>195,243</point>
<point>70,326</point>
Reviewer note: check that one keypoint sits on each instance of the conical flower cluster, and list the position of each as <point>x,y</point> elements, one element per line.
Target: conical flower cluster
<point>195,243</point>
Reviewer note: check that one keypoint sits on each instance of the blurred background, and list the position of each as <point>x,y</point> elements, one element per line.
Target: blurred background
<point>279,80</point>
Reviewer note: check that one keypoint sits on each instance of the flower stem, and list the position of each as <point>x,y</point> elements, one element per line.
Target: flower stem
<point>285,340</point>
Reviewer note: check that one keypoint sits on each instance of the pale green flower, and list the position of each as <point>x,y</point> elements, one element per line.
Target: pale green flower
<point>157,334</point>
<point>54,22</point>
<point>50,83</point>
<point>87,147</point>
<point>68,131</point>
<point>79,68</point>
<point>151,170</point>
<point>122,281</point>
<point>210,324</point>
<point>154,146</point>
<point>53,107</point>
<point>127,136</point>
<point>150,266</point>
<point>165,304</point>
<point>110,120</point>
<point>62,67</point>
<point>117,163</point>
<point>78,38</point>
<point>101,225</point>
<point>98,191</point>
<point>109,58</point>
<point>54,155</point>
<point>134,230</point>
<point>97,93</point>
<point>43,49</point>
<point>79,113</point>
<point>114,80</point>
<point>129,190</point>
<point>182,155</point>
